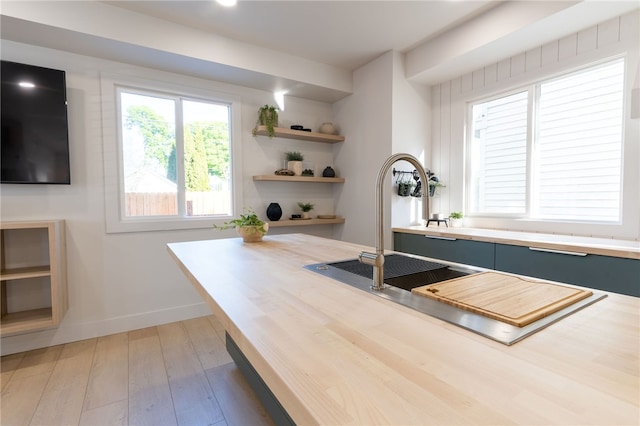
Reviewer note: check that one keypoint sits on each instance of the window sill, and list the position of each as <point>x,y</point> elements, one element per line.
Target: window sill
<point>151,225</point>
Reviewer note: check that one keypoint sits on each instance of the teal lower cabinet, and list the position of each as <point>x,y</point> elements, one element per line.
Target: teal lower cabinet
<point>475,253</point>
<point>616,274</point>
<point>608,273</point>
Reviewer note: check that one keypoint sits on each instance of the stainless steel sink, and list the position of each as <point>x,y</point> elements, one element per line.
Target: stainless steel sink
<point>402,273</point>
<point>405,272</point>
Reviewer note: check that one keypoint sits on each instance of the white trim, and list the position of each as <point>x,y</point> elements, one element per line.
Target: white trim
<point>76,331</point>
<point>112,161</point>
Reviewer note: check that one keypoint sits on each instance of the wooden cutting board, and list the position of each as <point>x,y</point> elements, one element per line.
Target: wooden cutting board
<point>514,300</point>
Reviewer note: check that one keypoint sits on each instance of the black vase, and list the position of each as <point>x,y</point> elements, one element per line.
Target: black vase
<point>329,172</point>
<point>274,212</point>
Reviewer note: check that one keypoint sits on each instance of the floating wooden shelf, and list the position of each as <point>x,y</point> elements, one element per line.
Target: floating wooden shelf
<point>305,222</point>
<point>311,179</point>
<point>282,132</point>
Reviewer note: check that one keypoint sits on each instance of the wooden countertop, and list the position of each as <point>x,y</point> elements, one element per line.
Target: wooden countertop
<point>333,354</point>
<point>603,246</point>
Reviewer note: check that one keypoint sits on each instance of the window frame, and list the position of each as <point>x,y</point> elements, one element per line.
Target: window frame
<point>116,222</point>
<point>533,90</point>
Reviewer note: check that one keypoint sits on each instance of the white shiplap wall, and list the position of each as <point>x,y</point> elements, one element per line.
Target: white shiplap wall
<point>618,36</point>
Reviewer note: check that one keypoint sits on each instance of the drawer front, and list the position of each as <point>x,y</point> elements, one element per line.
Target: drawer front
<point>615,274</point>
<point>475,253</point>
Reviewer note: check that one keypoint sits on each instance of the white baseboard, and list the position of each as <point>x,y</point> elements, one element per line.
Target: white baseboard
<point>72,332</point>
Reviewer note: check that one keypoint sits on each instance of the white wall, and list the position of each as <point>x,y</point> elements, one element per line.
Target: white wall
<point>364,120</point>
<point>411,121</point>
<point>450,98</point>
<point>121,282</point>
<point>385,115</point>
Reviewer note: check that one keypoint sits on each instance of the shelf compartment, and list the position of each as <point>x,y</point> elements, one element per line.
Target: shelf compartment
<point>35,319</point>
<point>283,132</point>
<point>33,290</point>
<point>305,222</point>
<point>310,179</point>
<point>22,273</point>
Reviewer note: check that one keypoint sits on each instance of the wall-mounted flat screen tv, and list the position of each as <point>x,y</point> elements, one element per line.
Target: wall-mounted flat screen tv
<point>35,143</point>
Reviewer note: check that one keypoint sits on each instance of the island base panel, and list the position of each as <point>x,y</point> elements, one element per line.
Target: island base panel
<point>271,404</point>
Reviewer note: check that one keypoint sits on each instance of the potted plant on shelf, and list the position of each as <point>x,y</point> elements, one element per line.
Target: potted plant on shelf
<point>306,208</point>
<point>294,162</point>
<point>268,117</point>
<point>248,226</point>
<point>456,219</point>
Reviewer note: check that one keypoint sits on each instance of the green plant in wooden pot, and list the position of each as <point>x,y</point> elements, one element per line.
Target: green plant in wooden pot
<point>306,208</point>
<point>248,226</point>
<point>294,162</point>
<point>268,117</point>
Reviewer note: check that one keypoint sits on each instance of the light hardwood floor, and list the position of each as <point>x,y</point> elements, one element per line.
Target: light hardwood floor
<point>173,374</point>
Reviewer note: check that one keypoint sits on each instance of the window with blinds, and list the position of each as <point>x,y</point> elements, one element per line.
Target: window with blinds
<point>553,151</point>
<point>499,153</point>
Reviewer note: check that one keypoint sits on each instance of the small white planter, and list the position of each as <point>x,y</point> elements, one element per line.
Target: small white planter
<point>328,128</point>
<point>456,223</point>
<point>295,167</point>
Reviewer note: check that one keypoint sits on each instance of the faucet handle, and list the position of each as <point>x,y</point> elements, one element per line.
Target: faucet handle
<point>371,258</point>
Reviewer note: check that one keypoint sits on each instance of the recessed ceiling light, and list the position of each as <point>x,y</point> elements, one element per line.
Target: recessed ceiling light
<point>227,3</point>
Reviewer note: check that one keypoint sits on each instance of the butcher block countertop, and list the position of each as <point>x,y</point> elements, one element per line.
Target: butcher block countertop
<point>590,245</point>
<point>336,355</point>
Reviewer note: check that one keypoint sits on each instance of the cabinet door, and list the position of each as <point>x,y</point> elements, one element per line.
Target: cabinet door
<point>475,253</point>
<point>616,274</point>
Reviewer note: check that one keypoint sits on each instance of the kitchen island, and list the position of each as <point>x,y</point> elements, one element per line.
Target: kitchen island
<point>333,354</point>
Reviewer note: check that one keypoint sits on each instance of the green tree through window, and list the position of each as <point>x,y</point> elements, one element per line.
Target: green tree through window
<point>195,159</point>
<point>150,155</point>
<point>154,128</point>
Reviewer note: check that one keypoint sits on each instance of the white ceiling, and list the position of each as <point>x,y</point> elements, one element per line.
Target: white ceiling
<point>317,43</point>
<point>346,34</point>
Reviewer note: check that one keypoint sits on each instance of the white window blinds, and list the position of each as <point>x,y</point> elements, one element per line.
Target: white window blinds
<point>499,152</point>
<point>553,151</point>
<point>579,144</point>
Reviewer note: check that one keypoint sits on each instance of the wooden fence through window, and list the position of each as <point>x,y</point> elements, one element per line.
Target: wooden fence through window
<point>166,203</point>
